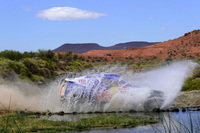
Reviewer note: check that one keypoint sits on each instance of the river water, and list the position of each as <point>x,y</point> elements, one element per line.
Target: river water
<point>169,122</point>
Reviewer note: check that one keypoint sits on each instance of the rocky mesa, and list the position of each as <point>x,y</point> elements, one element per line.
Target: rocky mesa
<point>85,47</point>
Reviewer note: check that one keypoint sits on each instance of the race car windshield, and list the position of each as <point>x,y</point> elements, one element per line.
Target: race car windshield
<point>113,82</point>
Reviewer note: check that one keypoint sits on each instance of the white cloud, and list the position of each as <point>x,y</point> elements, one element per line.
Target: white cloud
<point>68,13</point>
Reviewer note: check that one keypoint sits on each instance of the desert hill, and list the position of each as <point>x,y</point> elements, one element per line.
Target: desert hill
<point>186,46</point>
<point>85,47</point>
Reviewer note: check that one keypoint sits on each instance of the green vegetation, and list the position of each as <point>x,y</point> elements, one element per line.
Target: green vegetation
<point>14,122</point>
<point>193,82</point>
<point>39,66</point>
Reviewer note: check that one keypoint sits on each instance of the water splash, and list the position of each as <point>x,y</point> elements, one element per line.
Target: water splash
<point>169,79</point>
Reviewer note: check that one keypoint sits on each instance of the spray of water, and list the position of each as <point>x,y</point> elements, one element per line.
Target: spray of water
<point>169,79</point>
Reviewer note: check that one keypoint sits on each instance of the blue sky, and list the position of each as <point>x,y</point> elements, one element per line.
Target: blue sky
<point>29,25</point>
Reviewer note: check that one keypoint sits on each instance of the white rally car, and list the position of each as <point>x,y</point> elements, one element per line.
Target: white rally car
<point>102,87</point>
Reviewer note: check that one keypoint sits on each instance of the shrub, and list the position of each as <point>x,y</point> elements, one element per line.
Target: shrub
<point>51,65</point>
<point>19,68</point>
<point>44,72</point>
<point>60,56</point>
<point>87,65</point>
<point>168,59</point>
<point>31,64</point>
<point>191,84</point>
<point>45,54</point>
<point>37,78</point>
<point>81,58</point>
<point>75,57</point>
<point>29,54</point>
<point>108,54</point>
<point>12,55</point>
<point>98,59</point>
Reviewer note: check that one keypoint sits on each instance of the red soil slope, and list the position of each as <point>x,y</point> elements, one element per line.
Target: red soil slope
<point>187,46</point>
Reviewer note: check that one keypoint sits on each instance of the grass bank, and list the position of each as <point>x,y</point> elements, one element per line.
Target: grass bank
<point>13,122</point>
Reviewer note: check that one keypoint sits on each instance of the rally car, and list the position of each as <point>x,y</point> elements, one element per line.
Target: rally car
<point>102,87</point>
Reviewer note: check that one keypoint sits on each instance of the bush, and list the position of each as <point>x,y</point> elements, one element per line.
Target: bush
<point>31,64</point>
<point>45,54</point>
<point>108,54</point>
<point>169,59</point>
<point>81,58</point>
<point>29,54</point>
<point>60,56</point>
<point>191,84</point>
<point>75,57</point>
<point>37,78</point>
<point>51,65</point>
<point>19,68</point>
<point>87,65</point>
<point>44,72</point>
<point>12,55</point>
